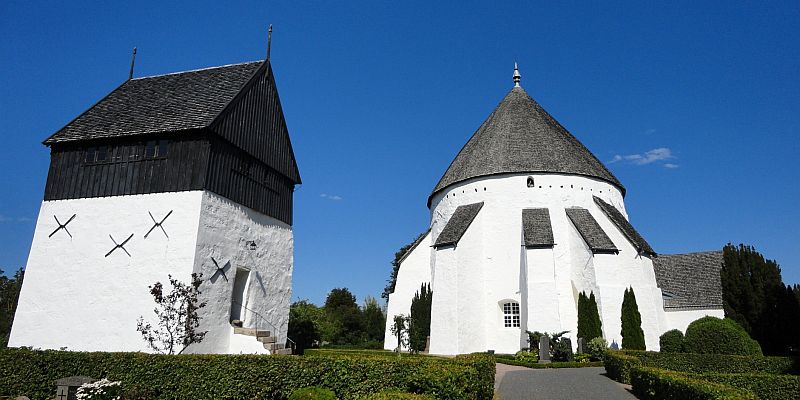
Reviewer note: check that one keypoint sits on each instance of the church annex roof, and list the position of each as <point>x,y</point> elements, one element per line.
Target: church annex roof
<point>518,137</point>
<point>690,280</point>
<point>157,104</point>
<point>457,224</point>
<point>590,230</point>
<point>536,228</point>
<point>625,227</point>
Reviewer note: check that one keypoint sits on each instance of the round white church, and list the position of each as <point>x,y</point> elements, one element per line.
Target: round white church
<point>523,220</point>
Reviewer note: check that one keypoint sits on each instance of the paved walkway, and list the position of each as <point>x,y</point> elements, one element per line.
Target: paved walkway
<point>519,383</point>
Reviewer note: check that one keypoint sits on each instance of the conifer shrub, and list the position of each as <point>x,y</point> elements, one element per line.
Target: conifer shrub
<point>632,333</point>
<point>420,322</point>
<point>589,324</point>
<point>671,341</point>
<point>711,335</point>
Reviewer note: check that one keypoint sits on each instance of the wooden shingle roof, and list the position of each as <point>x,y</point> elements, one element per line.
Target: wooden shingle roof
<point>638,242</point>
<point>536,228</point>
<point>521,137</point>
<point>590,230</point>
<point>690,280</point>
<point>457,224</point>
<point>160,104</point>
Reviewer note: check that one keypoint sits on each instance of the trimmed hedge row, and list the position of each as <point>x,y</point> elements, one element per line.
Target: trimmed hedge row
<point>716,363</point>
<point>659,384</point>
<point>618,365</point>
<point>33,372</point>
<point>536,365</point>
<point>765,386</point>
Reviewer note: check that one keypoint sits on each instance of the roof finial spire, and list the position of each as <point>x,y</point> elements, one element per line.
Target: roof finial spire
<point>269,40</point>
<point>517,76</point>
<point>133,60</point>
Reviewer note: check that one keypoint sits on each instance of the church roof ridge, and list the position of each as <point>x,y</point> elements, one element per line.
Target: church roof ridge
<point>520,136</point>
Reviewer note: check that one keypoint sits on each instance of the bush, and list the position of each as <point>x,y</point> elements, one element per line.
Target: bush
<point>526,356</point>
<point>658,384</point>
<point>632,333</point>
<point>32,372</point>
<point>536,365</point>
<point>710,335</point>
<point>671,341</point>
<point>597,349</point>
<point>765,386</point>
<point>618,365</point>
<point>312,393</point>
<point>398,396</point>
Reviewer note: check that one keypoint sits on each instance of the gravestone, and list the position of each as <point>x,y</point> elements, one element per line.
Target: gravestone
<point>567,347</point>
<point>544,350</point>
<point>580,345</point>
<point>67,388</point>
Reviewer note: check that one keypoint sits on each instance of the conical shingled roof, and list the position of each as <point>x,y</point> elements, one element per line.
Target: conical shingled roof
<point>519,137</point>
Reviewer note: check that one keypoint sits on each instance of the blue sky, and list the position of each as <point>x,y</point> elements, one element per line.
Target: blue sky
<point>695,106</point>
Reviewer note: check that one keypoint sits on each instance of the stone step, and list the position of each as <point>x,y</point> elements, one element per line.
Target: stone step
<point>274,346</point>
<point>251,332</point>
<point>266,339</point>
<point>286,352</point>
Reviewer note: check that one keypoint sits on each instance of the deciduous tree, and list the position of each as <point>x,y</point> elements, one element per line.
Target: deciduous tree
<point>177,315</point>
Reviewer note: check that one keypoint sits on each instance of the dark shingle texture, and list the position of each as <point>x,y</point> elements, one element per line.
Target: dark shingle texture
<point>625,227</point>
<point>536,228</point>
<point>458,224</point>
<point>413,246</point>
<point>590,230</point>
<point>520,136</point>
<point>692,279</point>
<point>158,104</point>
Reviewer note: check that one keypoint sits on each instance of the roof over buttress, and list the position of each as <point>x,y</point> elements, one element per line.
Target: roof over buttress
<point>690,280</point>
<point>519,137</point>
<point>457,224</point>
<point>158,104</point>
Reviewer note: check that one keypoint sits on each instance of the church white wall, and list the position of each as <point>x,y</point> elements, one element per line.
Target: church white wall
<point>225,228</point>
<point>75,298</point>
<point>413,272</point>
<point>680,320</point>
<point>574,267</point>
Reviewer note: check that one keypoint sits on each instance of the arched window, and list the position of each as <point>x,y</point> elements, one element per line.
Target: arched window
<point>530,181</point>
<point>511,314</point>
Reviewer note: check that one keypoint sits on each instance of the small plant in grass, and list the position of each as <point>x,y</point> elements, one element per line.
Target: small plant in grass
<point>597,349</point>
<point>103,389</point>
<point>671,341</point>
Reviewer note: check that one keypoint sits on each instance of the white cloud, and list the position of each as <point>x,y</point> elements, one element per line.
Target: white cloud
<point>649,157</point>
<point>671,165</point>
<point>331,197</point>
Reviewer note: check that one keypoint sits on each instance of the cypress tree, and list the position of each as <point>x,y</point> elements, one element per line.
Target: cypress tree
<point>597,325</point>
<point>583,317</point>
<point>420,321</point>
<point>632,333</point>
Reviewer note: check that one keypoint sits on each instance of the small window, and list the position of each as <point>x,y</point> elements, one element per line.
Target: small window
<point>102,154</point>
<point>150,149</point>
<point>90,155</point>
<point>511,314</point>
<point>530,182</point>
<point>163,148</point>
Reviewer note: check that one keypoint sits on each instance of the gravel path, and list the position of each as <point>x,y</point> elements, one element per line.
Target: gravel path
<point>513,383</point>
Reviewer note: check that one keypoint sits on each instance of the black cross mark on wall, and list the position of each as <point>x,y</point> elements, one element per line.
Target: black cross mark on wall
<point>119,245</point>
<point>62,226</point>
<point>220,270</point>
<point>158,224</point>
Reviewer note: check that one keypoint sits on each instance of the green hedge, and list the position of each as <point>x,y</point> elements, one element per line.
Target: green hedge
<point>716,363</point>
<point>32,373</point>
<point>536,365</point>
<point>618,365</point>
<point>711,335</point>
<point>397,396</point>
<point>659,384</point>
<point>765,386</point>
